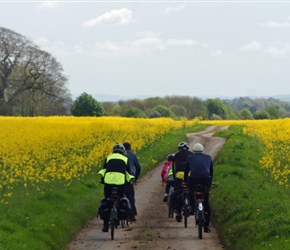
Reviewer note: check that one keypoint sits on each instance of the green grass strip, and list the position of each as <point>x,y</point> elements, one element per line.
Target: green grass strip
<point>250,211</point>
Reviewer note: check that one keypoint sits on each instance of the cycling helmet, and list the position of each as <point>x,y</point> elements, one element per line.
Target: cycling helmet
<point>119,148</point>
<point>170,157</point>
<point>183,145</point>
<point>198,148</point>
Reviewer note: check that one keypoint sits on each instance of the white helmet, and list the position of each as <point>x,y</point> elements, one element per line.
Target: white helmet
<point>198,148</point>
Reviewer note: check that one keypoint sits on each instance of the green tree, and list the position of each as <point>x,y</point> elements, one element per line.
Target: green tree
<point>162,111</point>
<point>178,110</point>
<point>216,106</point>
<point>134,112</point>
<point>273,112</point>
<point>261,114</point>
<point>246,114</point>
<point>86,105</point>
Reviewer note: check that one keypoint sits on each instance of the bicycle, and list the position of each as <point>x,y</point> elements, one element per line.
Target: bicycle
<point>198,192</point>
<point>185,203</point>
<point>114,221</point>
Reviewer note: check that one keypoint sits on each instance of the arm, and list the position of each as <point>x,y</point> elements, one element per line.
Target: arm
<point>186,171</point>
<point>128,167</point>
<point>211,170</point>
<point>137,167</point>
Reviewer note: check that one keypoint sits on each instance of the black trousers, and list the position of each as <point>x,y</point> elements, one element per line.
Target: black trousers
<point>130,194</point>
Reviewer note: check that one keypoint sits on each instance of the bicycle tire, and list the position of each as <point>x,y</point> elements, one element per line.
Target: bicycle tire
<point>200,224</point>
<point>170,211</point>
<point>185,215</point>
<point>185,207</point>
<point>112,227</point>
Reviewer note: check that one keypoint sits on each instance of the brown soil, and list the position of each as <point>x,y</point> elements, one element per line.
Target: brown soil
<point>153,229</point>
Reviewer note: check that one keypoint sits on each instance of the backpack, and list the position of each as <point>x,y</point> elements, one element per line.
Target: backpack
<point>170,177</point>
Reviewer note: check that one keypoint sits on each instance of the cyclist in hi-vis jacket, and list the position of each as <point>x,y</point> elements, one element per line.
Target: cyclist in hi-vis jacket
<point>115,173</point>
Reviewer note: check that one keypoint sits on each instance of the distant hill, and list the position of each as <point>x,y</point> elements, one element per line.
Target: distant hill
<point>116,98</point>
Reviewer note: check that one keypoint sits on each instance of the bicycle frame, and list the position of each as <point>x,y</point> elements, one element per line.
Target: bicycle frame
<point>185,203</point>
<point>114,211</point>
<point>199,208</point>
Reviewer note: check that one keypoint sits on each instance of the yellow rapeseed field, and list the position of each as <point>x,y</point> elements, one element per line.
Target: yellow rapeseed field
<point>38,151</point>
<point>275,135</point>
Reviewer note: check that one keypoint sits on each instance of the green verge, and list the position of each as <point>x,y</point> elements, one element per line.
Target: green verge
<point>49,222</point>
<point>250,211</point>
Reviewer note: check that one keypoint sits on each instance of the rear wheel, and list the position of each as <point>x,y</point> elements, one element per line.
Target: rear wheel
<point>170,211</point>
<point>112,227</point>
<point>200,224</point>
<point>185,214</point>
<point>185,210</point>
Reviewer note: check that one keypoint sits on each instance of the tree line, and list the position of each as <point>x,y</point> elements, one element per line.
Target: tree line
<point>32,83</point>
<point>178,107</point>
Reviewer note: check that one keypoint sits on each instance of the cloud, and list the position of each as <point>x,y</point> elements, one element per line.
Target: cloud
<point>274,51</point>
<point>144,46</point>
<point>48,5</point>
<point>121,17</point>
<point>148,33</point>
<point>217,53</point>
<point>278,52</point>
<point>168,10</point>
<point>273,24</point>
<point>41,41</point>
<point>60,48</point>
<point>179,42</point>
<point>149,42</point>
<point>253,46</point>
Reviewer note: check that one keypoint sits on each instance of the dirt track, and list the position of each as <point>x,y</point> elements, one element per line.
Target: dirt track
<point>153,229</point>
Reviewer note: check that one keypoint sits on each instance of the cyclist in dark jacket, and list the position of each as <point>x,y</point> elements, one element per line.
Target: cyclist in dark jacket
<point>114,174</point>
<point>200,167</point>
<point>135,170</point>
<point>179,162</point>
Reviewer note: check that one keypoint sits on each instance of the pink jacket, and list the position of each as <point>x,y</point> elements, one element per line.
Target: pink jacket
<point>164,171</point>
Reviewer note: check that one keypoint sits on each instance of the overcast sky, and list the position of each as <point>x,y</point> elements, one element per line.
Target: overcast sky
<point>158,48</point>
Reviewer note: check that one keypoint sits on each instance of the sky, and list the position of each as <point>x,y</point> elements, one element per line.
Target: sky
<point>136,49</point>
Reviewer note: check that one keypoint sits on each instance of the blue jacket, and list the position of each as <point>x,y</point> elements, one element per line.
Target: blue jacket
<point>135,166</point>
<point>198,165</point>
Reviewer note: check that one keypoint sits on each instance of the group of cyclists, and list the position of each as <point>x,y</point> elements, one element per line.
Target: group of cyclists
<point>188,168</point>
<point>122,169</point>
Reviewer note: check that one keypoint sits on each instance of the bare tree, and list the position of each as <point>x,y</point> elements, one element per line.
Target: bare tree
<point>31,79</point>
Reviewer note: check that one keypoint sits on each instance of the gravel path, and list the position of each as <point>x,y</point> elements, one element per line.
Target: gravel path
<point>153,229</point>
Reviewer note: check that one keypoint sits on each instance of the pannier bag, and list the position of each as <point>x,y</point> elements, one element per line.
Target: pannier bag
<point>104,209</point>
<point>124,208</point>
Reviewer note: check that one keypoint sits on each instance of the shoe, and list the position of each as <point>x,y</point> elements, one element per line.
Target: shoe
<point>207,229</point>
<point>165,198</point>
<point>105,228</point>
<point>178,218</point>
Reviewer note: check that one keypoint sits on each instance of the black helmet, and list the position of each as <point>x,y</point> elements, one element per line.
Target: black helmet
<point>170,157</point>
<point>119,148</point>
<point>183,145</point>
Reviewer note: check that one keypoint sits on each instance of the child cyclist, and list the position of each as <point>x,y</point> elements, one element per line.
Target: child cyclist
<point>167,176</point>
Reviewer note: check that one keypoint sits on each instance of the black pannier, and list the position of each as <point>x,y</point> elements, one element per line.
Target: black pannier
<point>104,209</point>
<point>124,208</point>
